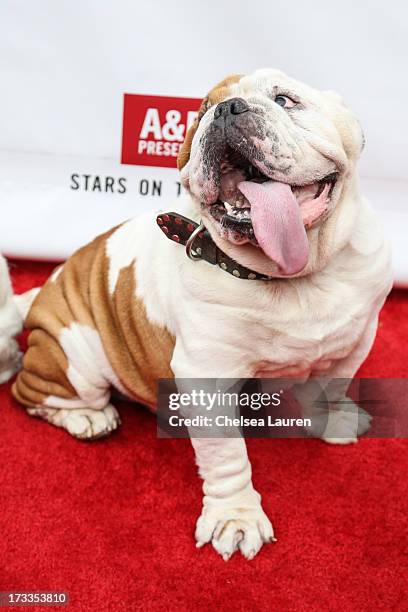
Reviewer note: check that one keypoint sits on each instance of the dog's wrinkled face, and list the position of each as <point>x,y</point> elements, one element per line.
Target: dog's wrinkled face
<point>266,161</point>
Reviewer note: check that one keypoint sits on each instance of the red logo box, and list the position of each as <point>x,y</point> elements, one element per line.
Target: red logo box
<point>154,128</point>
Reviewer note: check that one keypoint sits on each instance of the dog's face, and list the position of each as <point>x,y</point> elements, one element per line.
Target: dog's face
<point>267,160</point>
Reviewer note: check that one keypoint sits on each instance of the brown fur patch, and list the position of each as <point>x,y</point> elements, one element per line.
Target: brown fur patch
<point>216,95</point>
<point>138,350</point>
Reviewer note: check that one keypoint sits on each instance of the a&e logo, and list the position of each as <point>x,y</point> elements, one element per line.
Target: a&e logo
<point>154,128</point>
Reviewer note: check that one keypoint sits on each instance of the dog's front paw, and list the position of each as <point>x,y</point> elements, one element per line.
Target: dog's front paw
<point>234,526</point>
<point>344,426</point>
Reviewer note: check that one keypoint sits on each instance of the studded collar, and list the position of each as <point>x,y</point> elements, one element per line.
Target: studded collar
<point>199,245</point>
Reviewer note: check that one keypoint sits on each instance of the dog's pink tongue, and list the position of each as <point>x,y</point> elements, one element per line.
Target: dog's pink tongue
<point>277,223</point>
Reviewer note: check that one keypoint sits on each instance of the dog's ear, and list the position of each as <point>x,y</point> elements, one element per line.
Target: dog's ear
<point>216,95</point>
<point>348,126</point>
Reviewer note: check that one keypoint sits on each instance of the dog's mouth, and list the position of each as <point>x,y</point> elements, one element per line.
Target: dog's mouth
<point>233,209</point>
<point>252,207</point>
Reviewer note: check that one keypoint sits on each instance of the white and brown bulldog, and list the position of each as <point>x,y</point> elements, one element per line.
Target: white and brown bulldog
<point>300,271</point>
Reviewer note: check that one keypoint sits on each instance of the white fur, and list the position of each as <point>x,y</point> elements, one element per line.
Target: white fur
<point>119,249</point>
<point>89,370</point>
<point>10,326</point>
<point>24,301</point>
<point>55,275</point>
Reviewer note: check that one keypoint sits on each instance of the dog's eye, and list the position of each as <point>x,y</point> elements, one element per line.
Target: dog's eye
<point>285,101</point>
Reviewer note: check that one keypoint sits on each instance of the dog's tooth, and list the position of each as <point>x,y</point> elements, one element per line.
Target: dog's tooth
<point>229,208</point>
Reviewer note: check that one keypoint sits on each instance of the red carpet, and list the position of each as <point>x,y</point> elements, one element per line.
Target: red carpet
<point>111,522</point>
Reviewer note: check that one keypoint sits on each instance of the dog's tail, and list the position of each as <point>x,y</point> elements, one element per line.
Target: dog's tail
<point>11,323</point>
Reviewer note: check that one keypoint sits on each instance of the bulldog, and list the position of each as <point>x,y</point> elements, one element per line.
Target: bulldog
<point>283,272</point>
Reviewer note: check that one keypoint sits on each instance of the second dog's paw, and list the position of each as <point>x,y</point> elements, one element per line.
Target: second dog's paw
<point>344,426</point>
<point>230,529</point>
<point>10,361</point>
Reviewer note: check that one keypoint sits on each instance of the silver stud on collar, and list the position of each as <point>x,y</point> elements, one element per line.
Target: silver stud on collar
<point>251,276</point>
<point>236,273</point>
<point>223,266</point>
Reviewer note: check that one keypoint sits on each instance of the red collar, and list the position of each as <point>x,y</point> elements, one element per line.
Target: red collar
<point>200,245</point>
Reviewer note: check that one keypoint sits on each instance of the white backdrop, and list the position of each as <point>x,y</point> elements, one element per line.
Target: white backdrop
<point>65,67</point>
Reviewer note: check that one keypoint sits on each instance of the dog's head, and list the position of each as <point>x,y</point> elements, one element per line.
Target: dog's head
<point>267,160</point>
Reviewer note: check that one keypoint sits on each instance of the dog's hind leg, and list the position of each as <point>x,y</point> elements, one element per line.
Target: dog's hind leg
<point>340,421</point>
<point>66,377</point>
<point>68,387</point>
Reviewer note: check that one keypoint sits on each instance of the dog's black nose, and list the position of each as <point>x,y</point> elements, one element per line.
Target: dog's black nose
<point>234,106</point>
